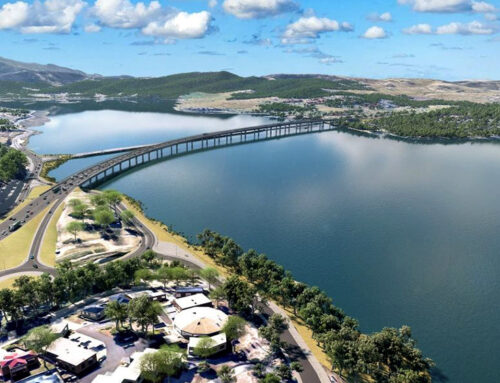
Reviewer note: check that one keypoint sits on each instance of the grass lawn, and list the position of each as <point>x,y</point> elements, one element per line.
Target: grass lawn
<point>7,283</point>
<point>48,250</point>
<point>34,193</point>
<point>15,248</point>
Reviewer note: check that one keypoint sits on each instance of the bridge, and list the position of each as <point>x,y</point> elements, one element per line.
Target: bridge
<point>108,169</point>
<point>108,151</point>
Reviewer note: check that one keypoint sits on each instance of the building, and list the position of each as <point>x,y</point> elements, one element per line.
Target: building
<point>187,291</point>
<point>153,295</point>
<point>127,372</point>
<point>196,300</point>
<point>120,298</point>
<point>17,364</point>
<point>69,356</point>
<point>51,376</point>
<point>219,344</point>
<point>95,313</point>
<point>200,321</point>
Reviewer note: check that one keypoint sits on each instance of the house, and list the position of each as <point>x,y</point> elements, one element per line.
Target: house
<point>127,372</point>
<point>120,298</point>
<point>187,291</point>
<point>69,356</point>
<point>95,313</point>
<point>200,321</point>
<point>18,363</point>
<point>196,300</point>
<point>50,376</point>
<point>219,344</point>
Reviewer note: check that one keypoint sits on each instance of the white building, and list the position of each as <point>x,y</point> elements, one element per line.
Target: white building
<point>219,343</point>
<point>200,321</point>
<point>196,300</point>
<point>72,357</point>
<point>129,373</point>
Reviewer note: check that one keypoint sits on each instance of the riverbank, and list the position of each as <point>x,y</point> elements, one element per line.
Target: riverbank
<point>163,234</point>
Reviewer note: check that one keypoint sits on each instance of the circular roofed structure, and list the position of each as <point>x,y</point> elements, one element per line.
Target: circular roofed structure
<point>200,321</point>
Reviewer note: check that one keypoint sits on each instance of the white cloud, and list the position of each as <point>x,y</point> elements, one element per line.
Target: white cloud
<point>212,3</point>
<point>124,14</point>
<point>449,6</point>
<point>182,26</point>
<point>483,7</point>
<point>92,28</point>
<point>51,16</point>
<point>330,60</point>
<point>375,32</point>
<point>307,28</point>
<point>254,9</point>
<point>472,28</point>
<point>12,15</point>
<point>385,17</point>
<point>419,29</point>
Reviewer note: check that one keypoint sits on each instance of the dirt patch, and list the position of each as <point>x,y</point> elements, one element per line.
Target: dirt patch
<point>91,245</point>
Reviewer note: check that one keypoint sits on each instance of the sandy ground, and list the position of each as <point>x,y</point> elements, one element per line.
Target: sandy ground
<point>218,103</point>
<point>91,245</point>
<point>474,91</point>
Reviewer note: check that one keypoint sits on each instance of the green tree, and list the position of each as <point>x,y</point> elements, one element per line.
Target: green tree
<point>98,200</point>
<point>210,274</point>
<point>271,378</point>
<point>204,348</point>
<point>154,366</point>
<point>118,312</point>
<point>226,374</point>
<point>74,227</point>
<point>38,339</point>
<point>127,217</point>
<point>234,328</point>
<point>113,198</point>
<point>217,295</point>
<point>104,217</point>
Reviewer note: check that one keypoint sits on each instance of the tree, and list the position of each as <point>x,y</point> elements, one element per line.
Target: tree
<point>226,374</point>
<point>179,274</point>
<point>38,339</point>
<point>144,311</point>
<point>204,348</point>
<point>234,327</point>
<point>154,366</point>
<point>117,311</point>
<point>271,378</point>
<point>284,372</point>
<point>104,217</point>
<point>112,198</point>
<point>231,251</point>
<point>240,295</point>
<point>127,217</point>
<point>217,295</point>
<point>276,325</point>
<point>74,227</point>
<point>98,200</point>
<point>210,274</point>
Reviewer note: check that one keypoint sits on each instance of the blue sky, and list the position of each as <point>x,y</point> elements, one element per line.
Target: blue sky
<point>446,39</point>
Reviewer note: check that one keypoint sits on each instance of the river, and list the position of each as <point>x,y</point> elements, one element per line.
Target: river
<point>396,232</point>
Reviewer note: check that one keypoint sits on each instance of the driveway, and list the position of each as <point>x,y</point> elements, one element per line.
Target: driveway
<point>115,353</point>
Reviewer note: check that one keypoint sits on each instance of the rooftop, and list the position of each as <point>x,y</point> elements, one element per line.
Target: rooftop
<point>129,372</point>
<point>192,301</point>
<point>51,376</point>
<point>69,351</point>
<point>200,321</point>
<point>218,340</point>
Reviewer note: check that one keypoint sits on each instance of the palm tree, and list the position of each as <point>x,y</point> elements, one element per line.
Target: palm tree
<point>226,374</point>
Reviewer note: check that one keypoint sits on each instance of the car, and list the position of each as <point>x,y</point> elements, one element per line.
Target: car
<point>35,266</point>
<point>32,257</point>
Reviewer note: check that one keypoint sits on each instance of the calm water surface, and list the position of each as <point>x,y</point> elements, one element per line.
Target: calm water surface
<point>396,233</point>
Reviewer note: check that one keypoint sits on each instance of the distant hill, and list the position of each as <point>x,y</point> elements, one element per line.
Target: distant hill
<point>17,71</point>
<point>19,79</point>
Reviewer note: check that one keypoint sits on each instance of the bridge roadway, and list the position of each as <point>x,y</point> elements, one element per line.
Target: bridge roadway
<point>109,168</point>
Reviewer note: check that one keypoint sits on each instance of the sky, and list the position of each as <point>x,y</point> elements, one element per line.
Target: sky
<point>443,39</point>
